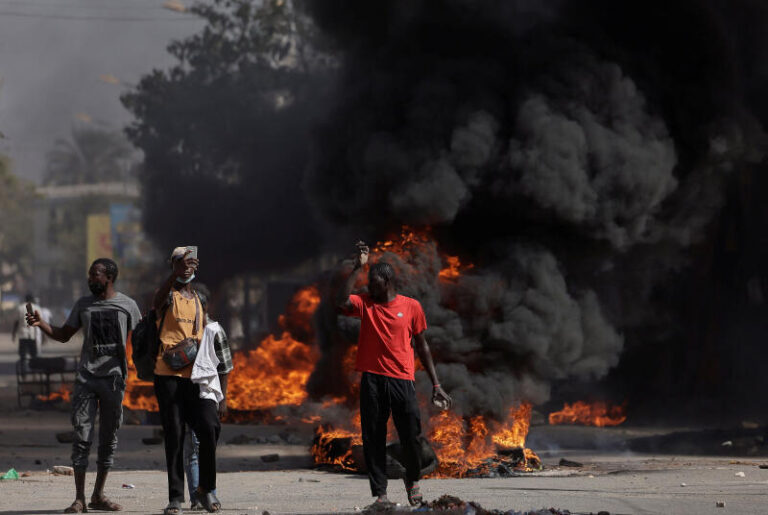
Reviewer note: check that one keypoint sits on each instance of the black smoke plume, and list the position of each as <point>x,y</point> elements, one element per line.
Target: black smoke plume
<point>576,152</point>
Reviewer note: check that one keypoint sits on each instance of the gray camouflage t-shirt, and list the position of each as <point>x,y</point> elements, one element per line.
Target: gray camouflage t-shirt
<point>105,330</point>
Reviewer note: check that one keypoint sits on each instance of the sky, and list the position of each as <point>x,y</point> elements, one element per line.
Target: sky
<point>52,54</point>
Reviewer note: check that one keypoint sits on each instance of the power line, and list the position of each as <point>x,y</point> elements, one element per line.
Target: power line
<point>99,18</point>
<point>79,5</point>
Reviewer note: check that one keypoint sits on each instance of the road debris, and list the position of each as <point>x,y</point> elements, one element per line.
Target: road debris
<point>740,474</point>
<point>11,474</point>
<point>63,470</point>
<point>240,440</point>
<point>454,504</point>
<point>65,437</point>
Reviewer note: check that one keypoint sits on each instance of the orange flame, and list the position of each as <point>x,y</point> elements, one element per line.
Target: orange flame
<point>298,315</point>
<point>598,414</point>
<point>325,451</point>
<point>408,238</point>
<point>64,393</point>
<point>277,371</point>
<point>454,268</point>
<point>271,375</point>
<point>448,437</point>
<point>461,446</point>
<point>139,395</point>
<point>516,430</point>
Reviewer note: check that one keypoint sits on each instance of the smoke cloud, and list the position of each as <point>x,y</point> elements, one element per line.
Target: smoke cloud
<point>552,147</point>
<point>589,151</point>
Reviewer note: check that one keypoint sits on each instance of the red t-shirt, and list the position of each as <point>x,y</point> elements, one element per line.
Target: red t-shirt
<point>384,346</point>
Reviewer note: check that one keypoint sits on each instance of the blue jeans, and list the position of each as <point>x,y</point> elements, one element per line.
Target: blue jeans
<point>191,466</point>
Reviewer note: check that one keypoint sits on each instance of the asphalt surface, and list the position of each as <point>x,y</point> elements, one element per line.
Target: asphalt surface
<point>612,479</point>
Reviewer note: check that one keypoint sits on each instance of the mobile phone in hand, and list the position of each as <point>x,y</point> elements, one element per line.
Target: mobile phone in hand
<point>193,251</point>
<point>30,310</point>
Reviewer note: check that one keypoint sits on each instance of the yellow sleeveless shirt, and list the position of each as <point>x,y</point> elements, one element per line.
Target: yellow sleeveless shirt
<point>179,321</point>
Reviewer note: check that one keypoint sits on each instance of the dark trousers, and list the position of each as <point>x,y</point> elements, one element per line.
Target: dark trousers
<point>27,349</point>
<point>380,396</point>
<point>105,395</point>
<point>180,404</point>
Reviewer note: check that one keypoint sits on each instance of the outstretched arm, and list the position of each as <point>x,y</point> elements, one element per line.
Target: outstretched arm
<point>60,334</point>
<point>439,397</point>
<point>361,258</point>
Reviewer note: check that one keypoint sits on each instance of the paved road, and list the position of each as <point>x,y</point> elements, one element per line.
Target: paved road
<point>612,480</point>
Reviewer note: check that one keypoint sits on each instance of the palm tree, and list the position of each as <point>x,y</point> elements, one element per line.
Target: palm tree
<point>93,155</point>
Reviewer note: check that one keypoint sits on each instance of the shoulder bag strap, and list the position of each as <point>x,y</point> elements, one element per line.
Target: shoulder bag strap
<point>197,314</point>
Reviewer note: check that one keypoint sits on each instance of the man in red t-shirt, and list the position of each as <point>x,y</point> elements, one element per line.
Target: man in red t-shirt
<point>389,324</point>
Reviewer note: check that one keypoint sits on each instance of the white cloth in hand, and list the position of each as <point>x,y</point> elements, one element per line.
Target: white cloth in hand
<point>204,370</point>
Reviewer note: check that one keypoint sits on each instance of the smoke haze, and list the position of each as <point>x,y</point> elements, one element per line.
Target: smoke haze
<point>53,55</point>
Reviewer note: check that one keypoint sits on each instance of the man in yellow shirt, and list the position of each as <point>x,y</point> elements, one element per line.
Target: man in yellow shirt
<point>181,317</point>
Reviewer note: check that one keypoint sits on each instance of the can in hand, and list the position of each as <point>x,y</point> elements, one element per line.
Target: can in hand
<point>442,404</point>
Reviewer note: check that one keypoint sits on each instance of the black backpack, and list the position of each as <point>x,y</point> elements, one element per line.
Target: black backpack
<point>145,341</point>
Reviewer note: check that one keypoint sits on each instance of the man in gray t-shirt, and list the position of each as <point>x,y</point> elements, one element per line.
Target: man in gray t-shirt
<point>105,324</point>
<point>106,317</point>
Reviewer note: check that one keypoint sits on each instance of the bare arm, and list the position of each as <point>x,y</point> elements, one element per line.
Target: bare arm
<point>182,267</point>
<point>60,334</point>
<point>223,404</point>
<point>343,303</point>
<point>425,356</point>
<point>161,295</point>
<point>361,258</point>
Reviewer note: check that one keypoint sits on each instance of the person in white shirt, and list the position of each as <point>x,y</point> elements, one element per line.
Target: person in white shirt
<point>46,314</point>
<point>30,337</point>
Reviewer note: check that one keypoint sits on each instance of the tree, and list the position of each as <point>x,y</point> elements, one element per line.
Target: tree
<point>16,229</point>
<point>225,136</point>
<point>93,155</point>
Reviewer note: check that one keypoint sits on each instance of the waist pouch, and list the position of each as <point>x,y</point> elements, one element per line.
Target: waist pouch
<point>182,354</point>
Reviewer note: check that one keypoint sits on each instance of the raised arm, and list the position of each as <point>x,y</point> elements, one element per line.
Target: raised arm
<point>361,258</point>
<point>161,295</point>
<point>60,334</point>
<point>439,397</point>
<point>182,267</point>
